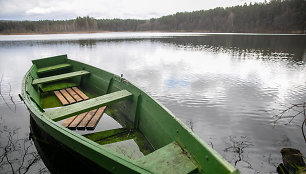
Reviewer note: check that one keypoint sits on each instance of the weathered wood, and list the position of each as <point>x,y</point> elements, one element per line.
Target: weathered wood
<point>80,93</point>
<point>293,162</point>
<point>85,106</point>
<point>74,95</point>
<point>95,119</point>
<point>61,98</point>
<point>59,77</point>
<point>67,96</point>
<point>77,121</point>
<point>86,119</point>
<point>68,121</point>
<point>53,68</point>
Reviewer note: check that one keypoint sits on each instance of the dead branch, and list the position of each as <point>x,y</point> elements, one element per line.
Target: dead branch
<point>12,162</point>
<point>237,147</point>
<point>299,109</point>
<point>11,98</point>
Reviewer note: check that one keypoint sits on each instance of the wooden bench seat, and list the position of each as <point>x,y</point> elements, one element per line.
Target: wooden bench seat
<point>87,105</point>
<point>53,86</point>
<point>53,68</point>
<point>59,77</point>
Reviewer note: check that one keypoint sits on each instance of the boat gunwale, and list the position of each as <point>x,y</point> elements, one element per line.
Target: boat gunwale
<point>116,157</point>
<point>113,155</point>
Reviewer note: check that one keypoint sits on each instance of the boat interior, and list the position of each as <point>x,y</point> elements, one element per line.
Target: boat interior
<point>61,86</point>
<point>106,109</point>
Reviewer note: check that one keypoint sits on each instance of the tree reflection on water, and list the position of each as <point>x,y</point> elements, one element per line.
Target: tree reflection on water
<point>17,155</point>
<point>237,146</point>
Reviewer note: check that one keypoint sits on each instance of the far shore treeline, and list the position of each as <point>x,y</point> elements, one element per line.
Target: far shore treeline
<point>276,16</point>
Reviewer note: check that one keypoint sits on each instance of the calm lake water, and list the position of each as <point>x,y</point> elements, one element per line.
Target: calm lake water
<point>226,87</point>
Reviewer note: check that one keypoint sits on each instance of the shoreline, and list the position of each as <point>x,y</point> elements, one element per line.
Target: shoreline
<point>38,33</point>
<point>154,31</point>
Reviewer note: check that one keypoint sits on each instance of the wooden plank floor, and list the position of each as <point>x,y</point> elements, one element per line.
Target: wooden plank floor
<point>87,120</point>
<point>77,121</point>
<point>80,93</point>
<point>74,95</point>
<point>95,119</point>
<point>61,98</point>
<point>67,96</point>
<point>67,122</point>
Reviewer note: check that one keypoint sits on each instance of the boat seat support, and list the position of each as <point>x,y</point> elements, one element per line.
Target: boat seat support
<point>136,112</point>
<point>87,105</point>
<point>59,77</point>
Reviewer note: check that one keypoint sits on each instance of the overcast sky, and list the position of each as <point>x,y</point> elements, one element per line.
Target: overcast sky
<point>136,9</point>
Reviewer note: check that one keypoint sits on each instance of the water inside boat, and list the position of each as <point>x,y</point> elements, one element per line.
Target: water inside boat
<point>113,131</point>
<point>107,109</point>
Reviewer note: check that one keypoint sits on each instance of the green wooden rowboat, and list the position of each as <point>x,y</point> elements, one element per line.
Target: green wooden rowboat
<point>147,137</point>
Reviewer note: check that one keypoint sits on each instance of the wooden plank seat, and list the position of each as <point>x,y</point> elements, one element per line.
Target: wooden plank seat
<point>59,77</point>
<point>88,105</point>
<point>53,68</point>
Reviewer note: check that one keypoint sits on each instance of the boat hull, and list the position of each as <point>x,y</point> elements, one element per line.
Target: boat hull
<point>63,149</point>
<point>57,157</point>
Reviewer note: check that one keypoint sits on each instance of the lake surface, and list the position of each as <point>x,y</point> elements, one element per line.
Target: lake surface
<point>226,87</point>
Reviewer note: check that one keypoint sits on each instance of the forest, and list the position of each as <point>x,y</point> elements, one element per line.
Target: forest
<point>275,16</point>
